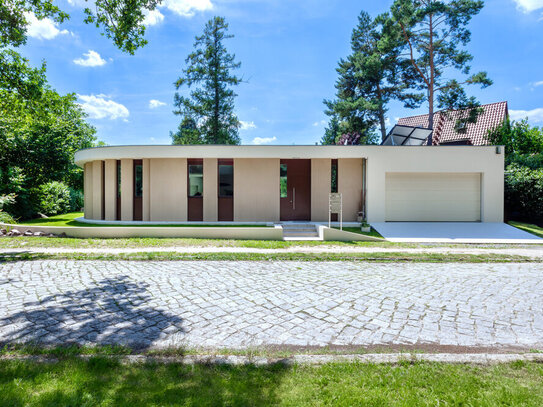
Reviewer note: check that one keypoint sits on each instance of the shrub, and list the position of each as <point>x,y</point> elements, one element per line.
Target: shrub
<point>4,201</point>
<point>76,200</point>
<point>53,198</point>
<point>524,192</point>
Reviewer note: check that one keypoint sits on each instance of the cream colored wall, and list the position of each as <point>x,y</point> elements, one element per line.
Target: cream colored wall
<point>350,186</point>
<point>321,179</point>
<point>88,190</point>
<point>146,190</point>
<point>110,189</point>
<point>97,190</point>
<point>256,192</point>
<point>256,189</point>
<point>448,159</point>
<point>168,183</point>
<point>127,189</point>
<point>210,194</point>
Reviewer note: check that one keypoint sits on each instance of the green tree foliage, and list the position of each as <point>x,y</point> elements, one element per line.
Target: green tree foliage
<point>121,20</point>
<point>53,198</point>
<point>187,133</point>
<point>370,77</point>
<point>332,132</point>
<point>211,105</point>
<point>40,130</point>
<point>524,168</point>
<point>435,34</point>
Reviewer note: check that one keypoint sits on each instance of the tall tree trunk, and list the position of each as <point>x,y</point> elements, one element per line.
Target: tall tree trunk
<point>381,114</point>
<point>432,81</point>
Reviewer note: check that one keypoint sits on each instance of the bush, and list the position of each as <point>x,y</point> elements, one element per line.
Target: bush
<point>6,200</point>
<point>53,198</point>
<point>524,193</point>
<point>76,200</point>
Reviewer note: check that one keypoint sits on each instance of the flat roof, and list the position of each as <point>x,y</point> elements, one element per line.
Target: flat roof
<point>243,151</point>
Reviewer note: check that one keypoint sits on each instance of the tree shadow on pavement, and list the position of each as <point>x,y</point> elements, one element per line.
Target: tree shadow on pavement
<point>113,311</point>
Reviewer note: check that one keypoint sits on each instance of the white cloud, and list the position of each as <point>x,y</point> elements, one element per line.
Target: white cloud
<point>45,29</point>
<point>540,83</point>
<point>102,107</point>
<point>92,58</point>
<point>152,17</point>
<point>187,8</point>
<point>247,125</point>
<point>527,6</point>
<point>153,104</point>
<point>535,115</point>
<point>263,140</point>
<point>321,123</point>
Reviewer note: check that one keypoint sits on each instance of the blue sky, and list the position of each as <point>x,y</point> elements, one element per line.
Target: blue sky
<point>289,51</point>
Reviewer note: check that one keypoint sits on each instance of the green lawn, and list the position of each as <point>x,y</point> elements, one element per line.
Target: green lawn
<point>528,227</point>
<point>372,232</point>
<point>106,382</point>
<point>69,219</point>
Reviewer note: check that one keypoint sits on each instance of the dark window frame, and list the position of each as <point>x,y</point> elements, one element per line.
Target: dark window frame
<point>195,161</point>
<point>224,162</point>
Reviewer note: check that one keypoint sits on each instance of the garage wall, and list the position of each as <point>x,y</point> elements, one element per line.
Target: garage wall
<point>444,159</point>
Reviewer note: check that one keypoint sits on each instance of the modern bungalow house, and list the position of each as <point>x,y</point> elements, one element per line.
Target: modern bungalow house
<point>210,183</point>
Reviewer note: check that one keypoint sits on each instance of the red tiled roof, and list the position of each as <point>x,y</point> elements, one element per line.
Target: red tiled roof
<point>444,124</point>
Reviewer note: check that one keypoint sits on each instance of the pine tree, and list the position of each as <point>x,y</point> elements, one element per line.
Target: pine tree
<point>331,133</point>
<point>371,77</point>
<point>434,34</point>
<point>187,133</point>
<point>211,105</point>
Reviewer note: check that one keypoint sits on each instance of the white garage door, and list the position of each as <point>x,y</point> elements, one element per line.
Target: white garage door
<point>433,197</point>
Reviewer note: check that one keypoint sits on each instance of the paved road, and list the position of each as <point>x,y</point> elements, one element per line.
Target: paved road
<point>244,304</point>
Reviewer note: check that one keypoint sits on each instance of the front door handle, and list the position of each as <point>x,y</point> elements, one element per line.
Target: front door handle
<point>294,198</point>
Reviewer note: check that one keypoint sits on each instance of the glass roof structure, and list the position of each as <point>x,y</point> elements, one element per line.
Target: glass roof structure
<point>407,136</point>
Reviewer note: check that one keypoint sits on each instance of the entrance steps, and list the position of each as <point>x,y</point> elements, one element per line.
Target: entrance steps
<point>300,231</point>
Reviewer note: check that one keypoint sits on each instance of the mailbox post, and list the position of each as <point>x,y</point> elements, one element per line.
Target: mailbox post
<point>335,205</point>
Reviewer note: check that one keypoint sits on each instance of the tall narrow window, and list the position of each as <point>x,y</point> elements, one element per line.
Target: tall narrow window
<point>225,190</point>
<point>196,179</point>
<point>195,189</point>
<point>283,180</point>
<point>138,180</point>
<point>334,173</point>
<point>118,183</point>
<point>103,190</point>
<point>226,180</point>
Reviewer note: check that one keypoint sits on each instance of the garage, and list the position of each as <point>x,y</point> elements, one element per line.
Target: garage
<point>433,197</point>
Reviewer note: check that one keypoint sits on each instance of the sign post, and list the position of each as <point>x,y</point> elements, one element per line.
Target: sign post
<point>335,205</point>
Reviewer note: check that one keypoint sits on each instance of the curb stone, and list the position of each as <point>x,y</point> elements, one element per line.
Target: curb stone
<point>236,360</point>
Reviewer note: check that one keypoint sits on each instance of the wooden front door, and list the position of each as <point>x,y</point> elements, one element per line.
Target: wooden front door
<point>295,184</point>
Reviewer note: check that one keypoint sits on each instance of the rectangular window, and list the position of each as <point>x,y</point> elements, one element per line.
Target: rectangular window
<point>196,178</point>
<point>118,178</point>
<point>283,180</point>
<point>333,183</point>
<point>138,180</point>
<point>226,179</point>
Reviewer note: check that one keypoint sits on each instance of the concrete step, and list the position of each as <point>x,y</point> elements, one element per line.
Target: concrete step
<point>302,231</point>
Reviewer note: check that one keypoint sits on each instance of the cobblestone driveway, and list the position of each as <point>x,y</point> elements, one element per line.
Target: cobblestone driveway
<point>241,304</point>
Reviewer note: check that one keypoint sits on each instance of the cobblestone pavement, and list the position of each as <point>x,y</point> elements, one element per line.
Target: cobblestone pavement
<point>246,304</point>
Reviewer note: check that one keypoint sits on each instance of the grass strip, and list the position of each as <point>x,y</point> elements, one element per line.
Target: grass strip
<point>101,381</point>
<point>23,242</point>
<point>366,257</point>
<point>528,227</point>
